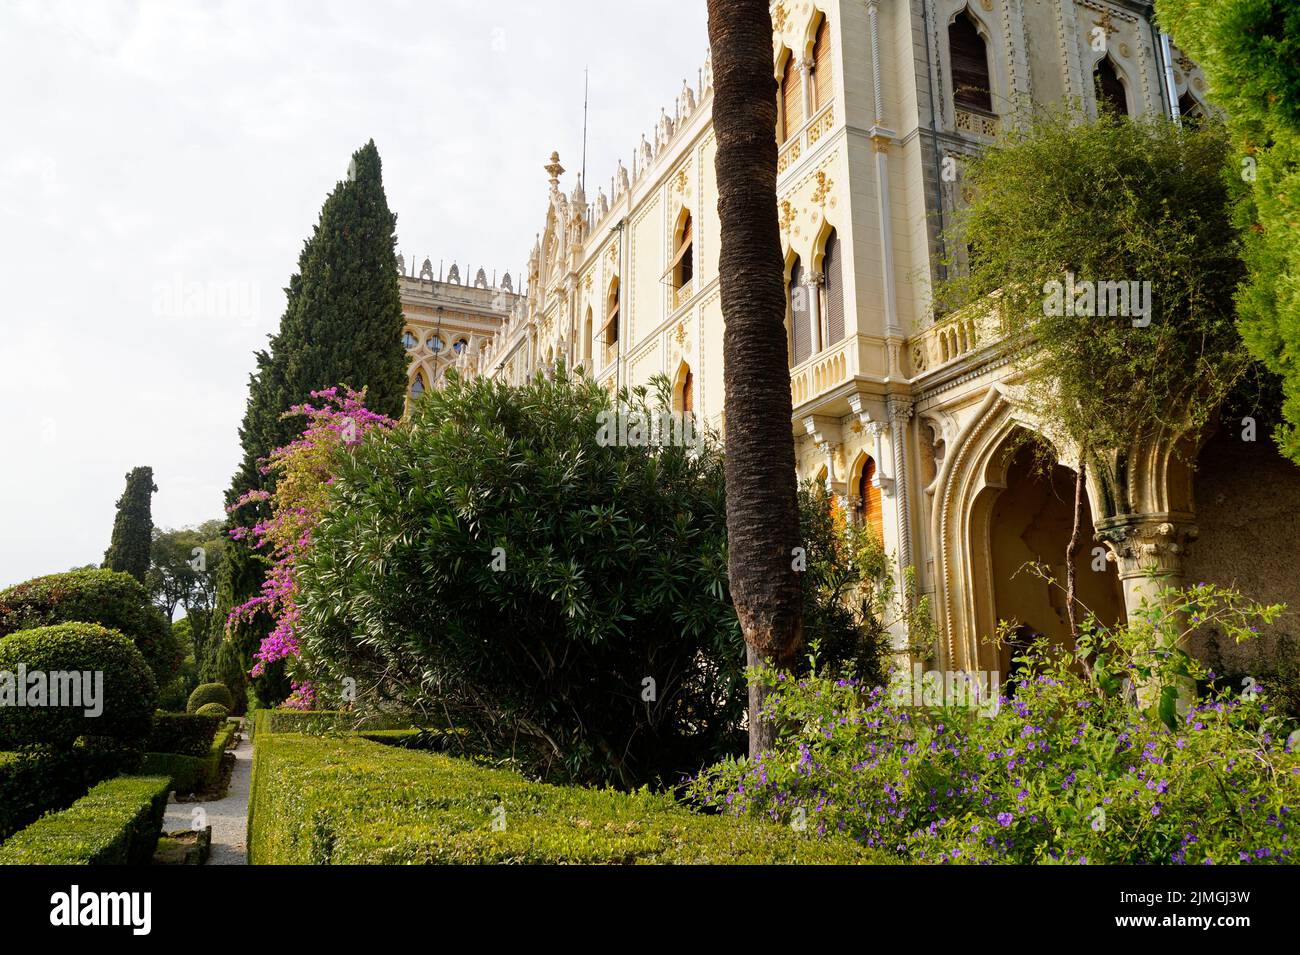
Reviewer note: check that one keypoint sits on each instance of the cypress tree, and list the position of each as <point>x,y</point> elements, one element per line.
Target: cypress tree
<point>342,325</point>
<point>132,540</point>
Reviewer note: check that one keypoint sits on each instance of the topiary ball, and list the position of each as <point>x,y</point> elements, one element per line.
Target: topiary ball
<point>71,680</point>
<point>212,709</point>
<point>108,598</point>
<point>210,693</point>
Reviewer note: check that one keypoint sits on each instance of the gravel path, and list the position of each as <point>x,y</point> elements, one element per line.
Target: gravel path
<point>228,817</point>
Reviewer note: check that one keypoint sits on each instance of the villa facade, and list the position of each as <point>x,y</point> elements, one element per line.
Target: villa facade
<point>910,421</point>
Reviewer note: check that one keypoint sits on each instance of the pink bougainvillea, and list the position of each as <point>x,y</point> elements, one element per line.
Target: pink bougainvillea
<point>304,470</point>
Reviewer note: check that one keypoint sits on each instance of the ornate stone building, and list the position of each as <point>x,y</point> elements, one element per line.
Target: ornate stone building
<point>910,421</point>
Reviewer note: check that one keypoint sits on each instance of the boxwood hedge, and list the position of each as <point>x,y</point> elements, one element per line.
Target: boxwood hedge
<point>206,693</point>
<point>108,598</point>
<point>346,800</point>
<point>187,733</point>
<point>128,688</point>
<point>116,823</point>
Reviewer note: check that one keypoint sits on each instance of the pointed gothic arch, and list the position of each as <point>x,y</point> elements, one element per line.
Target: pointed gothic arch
<point>969,62</point>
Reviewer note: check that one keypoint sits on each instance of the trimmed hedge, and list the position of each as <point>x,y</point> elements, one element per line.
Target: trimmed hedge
<point>206,693</point>
<point>113,600</point>
<point>116,823</point>
<point>326,721</point>
<point>190,773</point>
<point>213,709</point>
<point>129,690</point>
<point>187,733</point>
<point>346,800</point>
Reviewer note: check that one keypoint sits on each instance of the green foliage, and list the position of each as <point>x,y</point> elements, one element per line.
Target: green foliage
<point>116,823</point>
<point>1108,201</point>
<point>210,693</point>
<point>1092,759</point>
<point>563,597</point>
<point>213,709</point>
<point>128,551</point>
<point>1250,53</point>
<point>185,565</point>
<point>232,672</point>
<point>40,780</point>
<point>342,326</point>
<point>339,801</point>
<point>317,722</point>
<point>128,689</point>
<point>111,599</point>
<point>187,733</point>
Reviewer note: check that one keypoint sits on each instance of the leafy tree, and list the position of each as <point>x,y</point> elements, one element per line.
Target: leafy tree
<point>128,550</point>
<point>1250,53</point>
<point>342,325</point>
<point>762,504</point>
<point>185,567</point>
<point>1068,222</point>
<point>562,596</point>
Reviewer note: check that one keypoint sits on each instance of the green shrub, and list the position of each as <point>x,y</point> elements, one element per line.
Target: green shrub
<point>187,733</point>
<point>345,800</point>
<point>113,600</point>
<point>213,709</point>
<point>195,770</point>
<point>1069,769</point>
<point>566,595</point>
<point>173,696</point>
<point>210,693</point>
<point>326,721</point>
<point>116,823</point>
<point>128,688</point>
<point>233,672</point>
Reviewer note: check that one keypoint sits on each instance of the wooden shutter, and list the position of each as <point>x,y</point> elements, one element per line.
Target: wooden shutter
<point>800,332</point>
<point>870,494</point>
<point>832,276</point>
<point>791,99</point>
<point>688,393</point>
<point>823,70</point>
<point>970,65</point>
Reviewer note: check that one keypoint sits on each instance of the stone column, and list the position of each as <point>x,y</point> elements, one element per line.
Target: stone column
<point>814,286</point>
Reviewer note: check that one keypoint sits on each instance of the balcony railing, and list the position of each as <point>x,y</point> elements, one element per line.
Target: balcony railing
<point>828,369</point>
<point>947,341</point>
<point>805,139</point>
<point>682,294</point>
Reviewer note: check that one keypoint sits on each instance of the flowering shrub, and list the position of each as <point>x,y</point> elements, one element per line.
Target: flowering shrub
<point>305,469</point>
<point>1069,767</point>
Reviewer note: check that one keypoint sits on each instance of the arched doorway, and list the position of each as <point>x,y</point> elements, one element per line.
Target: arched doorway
<point>1030,522</point>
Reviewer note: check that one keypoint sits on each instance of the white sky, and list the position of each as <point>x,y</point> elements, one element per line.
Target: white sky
<point>147,147</point>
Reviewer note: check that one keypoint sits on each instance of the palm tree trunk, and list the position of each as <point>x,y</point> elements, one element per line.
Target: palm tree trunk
<point>762,500</point>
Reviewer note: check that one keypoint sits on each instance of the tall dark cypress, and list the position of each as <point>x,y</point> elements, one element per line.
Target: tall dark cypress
<point>129,547</point>
<point>342,326</point>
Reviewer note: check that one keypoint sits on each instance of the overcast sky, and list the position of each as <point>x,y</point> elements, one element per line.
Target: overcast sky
<point>154,148</point>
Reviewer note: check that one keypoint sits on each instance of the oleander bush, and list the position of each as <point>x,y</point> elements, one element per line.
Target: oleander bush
<point>210,693</point>
<point>128,690</point>
<point>347,801</point>
<point>111,599</point>
<point>507,560</point>
<point>116,823</point>
<point>1076,766</point>
<point>187,733</point>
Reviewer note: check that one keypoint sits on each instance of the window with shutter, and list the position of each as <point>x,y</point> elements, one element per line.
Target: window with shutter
<point>791,99</point>
<point>833,290</point>
<point>823,70</point>
<point>970,65</point>
<point>800,333</point>
<point>869,496</point>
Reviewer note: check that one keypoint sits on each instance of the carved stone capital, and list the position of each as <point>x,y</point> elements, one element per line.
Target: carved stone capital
<point>1147,544</point>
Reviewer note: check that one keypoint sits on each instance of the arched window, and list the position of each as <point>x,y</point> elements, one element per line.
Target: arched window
<point>1190,108</point>
<point>586,337</point>
<point>409,340</point>
<point>800,330</point>
<point>822,71</point>
<point>832,291</point>
<point>971,88</point>
<point>1110,88</point>
<point>459,346</point>
<point>683,267</point>
<point>417,386</point>
<point>684,391</point>
<point>610,333</point>
<point>435,344</point>
<point>791,99</point>
<point>869,498</point>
